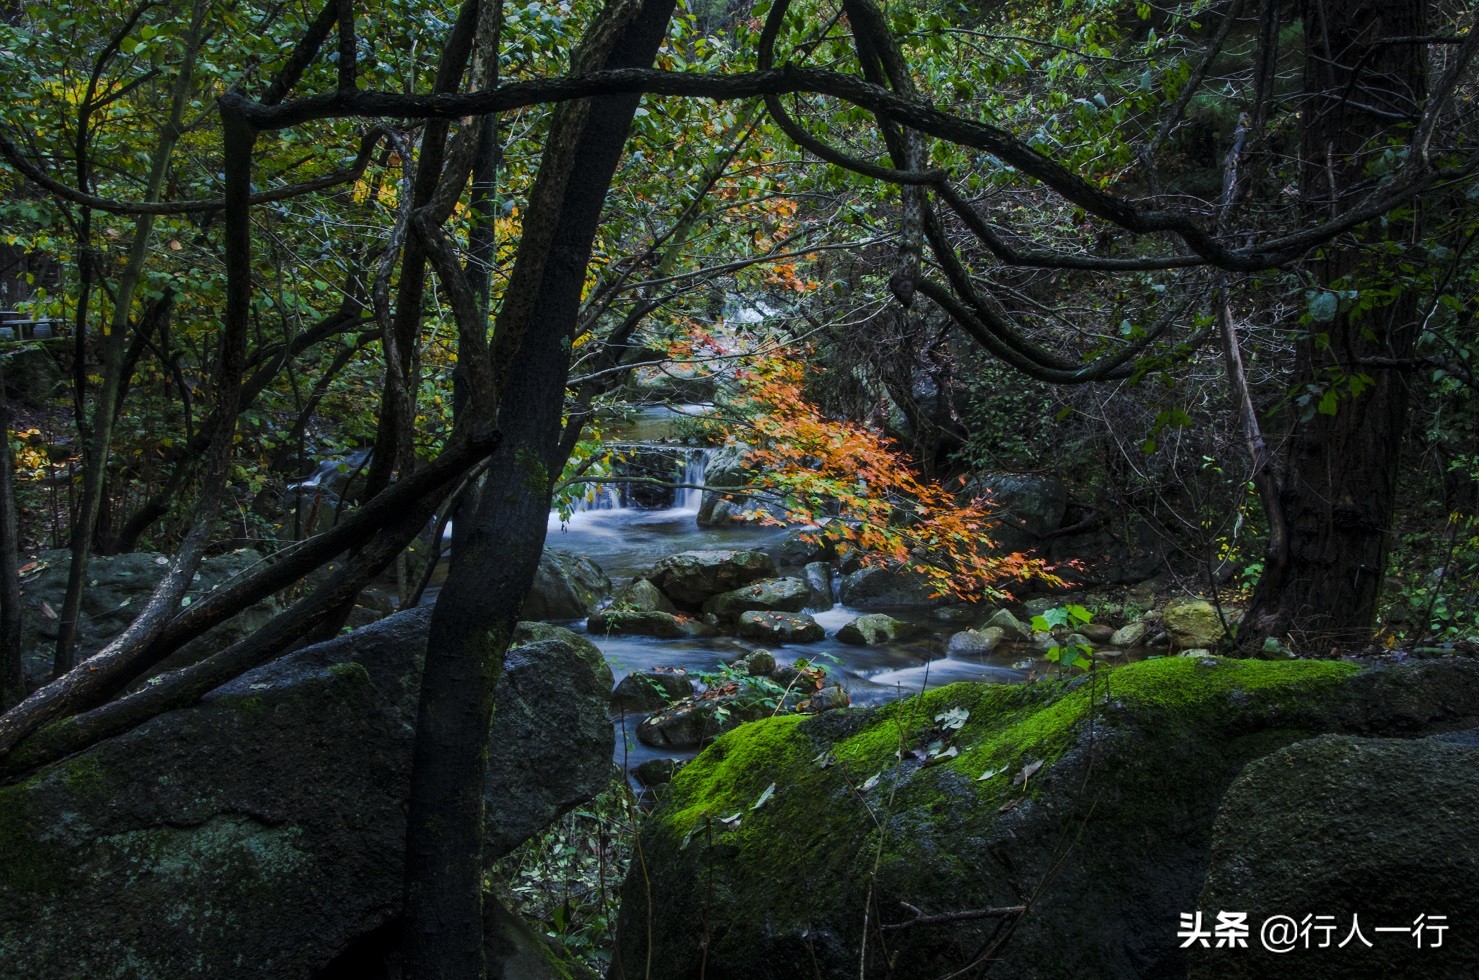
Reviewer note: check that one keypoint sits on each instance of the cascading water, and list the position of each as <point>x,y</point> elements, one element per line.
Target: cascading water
<point>690,494</point>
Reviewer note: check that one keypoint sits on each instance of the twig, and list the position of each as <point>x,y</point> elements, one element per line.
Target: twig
<point>945,918</point>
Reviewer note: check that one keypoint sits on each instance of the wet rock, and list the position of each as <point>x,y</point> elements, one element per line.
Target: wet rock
<point>566,586</point>
<point>876,587</point>
<point>650,690</point>
<point>873,629</point>
<point>664,626</point>
<point>780,628</point>
<point>1098,633</point>
<point>829,698</point>
<point>803,546</point>
<point>728,468</point>
<point>975,643</point>
<point>698,721</point>
<point>1129,636</point>
<point>692,577</point>
<point>759,663</point>
<point>767,595</point>
<point>818,577</point>
<point>642,596</point>
<point>657,772</point>
<point>1009,624</point>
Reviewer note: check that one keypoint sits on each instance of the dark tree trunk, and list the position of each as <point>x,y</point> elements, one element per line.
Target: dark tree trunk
<point>490,574</point>
<point>12,683</point>
<point>1340,480</point>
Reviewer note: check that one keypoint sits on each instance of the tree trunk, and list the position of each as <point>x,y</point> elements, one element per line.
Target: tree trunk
<point>12,681</point>
<point>1340,480</point>
<point>490,574</point>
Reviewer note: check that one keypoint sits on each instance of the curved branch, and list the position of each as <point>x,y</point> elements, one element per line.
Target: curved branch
<point>46,182</point>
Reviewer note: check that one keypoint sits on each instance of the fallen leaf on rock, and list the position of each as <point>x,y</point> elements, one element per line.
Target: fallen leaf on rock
<point>1027,773</point>
<point>48,612</point>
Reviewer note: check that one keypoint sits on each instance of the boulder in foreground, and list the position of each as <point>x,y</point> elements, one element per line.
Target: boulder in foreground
<point>260,833</point>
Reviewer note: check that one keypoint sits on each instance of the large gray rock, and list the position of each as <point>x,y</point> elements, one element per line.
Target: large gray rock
<point>877,587</point>
<point>566,586</point>
<point>1380,829</point>
<point>1193,623</point>
<point>766,595</point>
<point>650,690</point>
<point>642,596</point>
<point>726,469</point>
<point>691,577</point>
<point>664,626</point>
<point>1028,507</point>
<point>1097,808</point>
<point>975,643</point>
<point>819,581</point>
<point>779,627</point>
<point>873,629</point>
<point>117,587</point>
<point>260,833</point>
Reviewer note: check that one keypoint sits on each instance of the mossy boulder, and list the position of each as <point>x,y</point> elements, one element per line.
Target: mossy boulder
<point>873,629</point>
<point>566,586</point>
<point>261,832</point>
<point>766,595</point>
<point>1386,830</point>
<point>690,578</point>
<point>1096,810</point>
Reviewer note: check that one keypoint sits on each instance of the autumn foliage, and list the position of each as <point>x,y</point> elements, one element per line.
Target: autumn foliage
<point>860,489</point>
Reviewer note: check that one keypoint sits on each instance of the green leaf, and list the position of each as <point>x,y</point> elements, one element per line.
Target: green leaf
<point>1323,306</point>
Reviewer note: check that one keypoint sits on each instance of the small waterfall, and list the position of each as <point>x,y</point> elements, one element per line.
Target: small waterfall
<point>690,496</point>
<point>599,496</point>
<point>648,466</point>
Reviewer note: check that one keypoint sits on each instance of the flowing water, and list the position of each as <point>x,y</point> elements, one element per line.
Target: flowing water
<point>627,540</point>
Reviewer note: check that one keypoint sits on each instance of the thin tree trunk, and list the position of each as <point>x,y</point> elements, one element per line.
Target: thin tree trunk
<point>12,679</point>
<point>95,471</point>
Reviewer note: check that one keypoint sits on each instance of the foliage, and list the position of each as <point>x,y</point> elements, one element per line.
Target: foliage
<point>854,481</point>
<point>750,694</point>
<point>1059,621</point>
<point>568,878</point>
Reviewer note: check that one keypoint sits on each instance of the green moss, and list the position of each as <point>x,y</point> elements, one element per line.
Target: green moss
<point>887,839</point>
<point>350,673</point>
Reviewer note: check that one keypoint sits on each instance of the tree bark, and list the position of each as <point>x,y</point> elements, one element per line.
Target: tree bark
<point>1340,477</point>
<point>12,680</point>
<point>490,574</point>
